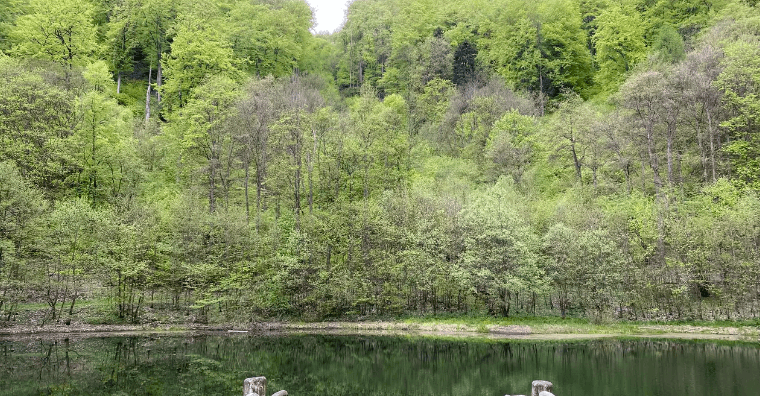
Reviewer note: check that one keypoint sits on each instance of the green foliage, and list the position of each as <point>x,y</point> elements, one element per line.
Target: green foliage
<point>689,18</point>
<point>585,267</point>
<point>198,50</point>
<point>539,46</point>
<point>35,127</point>
<point>619,42</point>
<point>366,43</point>
<point>21,212</point>
<point>270,39</point>
<point>740,83</point>
<point>9,11</point>
<point>434,101</point>
<point>464,63</point>
<point>668,45</point>
<point>432,157</point>
<point>103,148</point>
<point>122,37</point>
<point>511,146</point>
<point>60,31</point>
<point>76,251</point>
<point>500,251</point>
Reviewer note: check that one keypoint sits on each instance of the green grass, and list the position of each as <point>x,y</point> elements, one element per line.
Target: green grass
<point>570,325</point>
<point>32,306</point>
<point>476,320</point>
<point>101,311</point>
<point>707,323</point>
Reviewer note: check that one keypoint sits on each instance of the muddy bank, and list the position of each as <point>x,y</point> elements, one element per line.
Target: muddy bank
<point>522,332</point>
<point>76,331</point>
<point>517,332</point>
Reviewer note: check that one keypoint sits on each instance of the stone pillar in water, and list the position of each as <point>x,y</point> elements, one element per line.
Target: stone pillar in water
<point>255,386</point>
<point>540,386</point>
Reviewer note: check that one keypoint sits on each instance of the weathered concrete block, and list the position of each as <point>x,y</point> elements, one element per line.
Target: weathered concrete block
<point>545,393</point>
<point>539,386</point>
<point>257,385</point>
<point>281,393</point>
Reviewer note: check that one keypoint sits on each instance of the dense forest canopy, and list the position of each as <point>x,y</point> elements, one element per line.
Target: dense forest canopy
<point>590,158</point>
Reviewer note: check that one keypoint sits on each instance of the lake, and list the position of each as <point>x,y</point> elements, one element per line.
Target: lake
<point>212,364</point>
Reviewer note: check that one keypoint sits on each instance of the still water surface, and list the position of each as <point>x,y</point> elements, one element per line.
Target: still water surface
<point>374,365</point>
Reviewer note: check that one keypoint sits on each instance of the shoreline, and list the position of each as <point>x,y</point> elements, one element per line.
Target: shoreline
<point>392,328</point>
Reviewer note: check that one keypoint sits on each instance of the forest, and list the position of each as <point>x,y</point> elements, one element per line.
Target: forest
<point>567,158</point>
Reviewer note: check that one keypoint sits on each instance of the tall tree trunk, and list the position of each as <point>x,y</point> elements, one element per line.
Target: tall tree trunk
<point>212,183</point>
<point>159,81</point>
<point>311,170</point>
<point>227,175</point>
<point>670,159</point>
<point>297,197</point>
<point>653,161</point>
<point>94,174</point>
<point>711,135</point>
<point>702,152</point>
<point>147,96</point>
<point>297,145</point>
<point>643,172</point>
<point>63,300</point>
<point>73,301</point>
<point>576,160</point>
<point>361,71</point>
<point>541,98</point>
<point>671,123</point>
<point>259,187</point>
<point>247,203</point>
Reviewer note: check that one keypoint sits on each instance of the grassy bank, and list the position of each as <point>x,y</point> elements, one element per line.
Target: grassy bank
<point>557,325</point>
<point>95,316</point>
<point>535,327</point>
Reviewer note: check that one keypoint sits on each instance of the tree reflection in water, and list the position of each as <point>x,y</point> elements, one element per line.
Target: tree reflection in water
<point>369,365</point>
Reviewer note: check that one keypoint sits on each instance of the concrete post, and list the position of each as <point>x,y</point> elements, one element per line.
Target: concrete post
<point>255,385</point>
<point>541,386</point>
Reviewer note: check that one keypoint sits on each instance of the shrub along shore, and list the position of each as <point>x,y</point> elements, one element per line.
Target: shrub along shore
<point>535,328</point>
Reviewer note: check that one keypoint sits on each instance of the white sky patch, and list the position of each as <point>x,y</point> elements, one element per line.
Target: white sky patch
<point>328,13</point>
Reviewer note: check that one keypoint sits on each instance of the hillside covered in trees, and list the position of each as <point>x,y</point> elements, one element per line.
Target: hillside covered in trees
<point>595,158</point>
